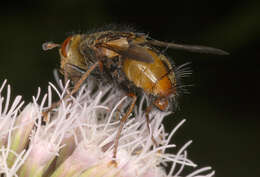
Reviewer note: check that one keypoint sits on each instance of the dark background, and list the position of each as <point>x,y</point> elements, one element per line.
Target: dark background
<point>221,110</point>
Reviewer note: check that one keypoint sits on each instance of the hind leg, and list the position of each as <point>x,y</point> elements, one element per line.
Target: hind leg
<point>147,111</point>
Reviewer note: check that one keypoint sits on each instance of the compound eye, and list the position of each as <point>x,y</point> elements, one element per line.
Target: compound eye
<point>65,46</point>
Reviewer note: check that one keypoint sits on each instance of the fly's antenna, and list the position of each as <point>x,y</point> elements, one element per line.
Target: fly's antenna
<point>49,45</point>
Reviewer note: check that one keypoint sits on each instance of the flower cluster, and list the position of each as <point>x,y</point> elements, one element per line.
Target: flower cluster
<point>78,138</point>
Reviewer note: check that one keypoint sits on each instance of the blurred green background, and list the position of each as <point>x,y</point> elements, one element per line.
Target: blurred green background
<point>221,110</point>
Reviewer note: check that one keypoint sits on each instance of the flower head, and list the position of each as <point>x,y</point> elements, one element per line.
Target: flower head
<point>78,140</point>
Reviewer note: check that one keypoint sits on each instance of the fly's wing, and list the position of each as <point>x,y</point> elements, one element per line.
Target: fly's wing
<point>128,50</point>
<point>190,48</point>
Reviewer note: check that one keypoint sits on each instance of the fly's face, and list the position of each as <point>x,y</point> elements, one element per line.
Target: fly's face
<point>73,61</point>
<point>70,53</point>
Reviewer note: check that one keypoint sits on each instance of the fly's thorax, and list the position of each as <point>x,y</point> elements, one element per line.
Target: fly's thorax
<point>88,49</point>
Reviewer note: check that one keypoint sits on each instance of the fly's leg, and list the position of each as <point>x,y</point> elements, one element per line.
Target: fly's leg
<point>74,90</point>
<point>83,78</point>
<point>118,113</point>
<point>162,104</point>
<point>121,125</point>
<point>147,111</point>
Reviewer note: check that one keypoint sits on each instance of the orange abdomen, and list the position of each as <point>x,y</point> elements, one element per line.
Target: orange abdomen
<point>154,78</point>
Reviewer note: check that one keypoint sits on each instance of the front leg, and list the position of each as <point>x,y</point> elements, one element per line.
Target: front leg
<point>74,90</point>
<point>73,73</point>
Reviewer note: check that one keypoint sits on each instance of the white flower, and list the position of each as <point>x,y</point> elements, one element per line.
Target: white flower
<point>78,139</point>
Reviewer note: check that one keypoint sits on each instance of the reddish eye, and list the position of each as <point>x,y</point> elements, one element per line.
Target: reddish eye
<point>65,46</point>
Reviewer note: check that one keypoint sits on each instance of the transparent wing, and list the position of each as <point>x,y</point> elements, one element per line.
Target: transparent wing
<point>129,51</point>
<point>190,48</point>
